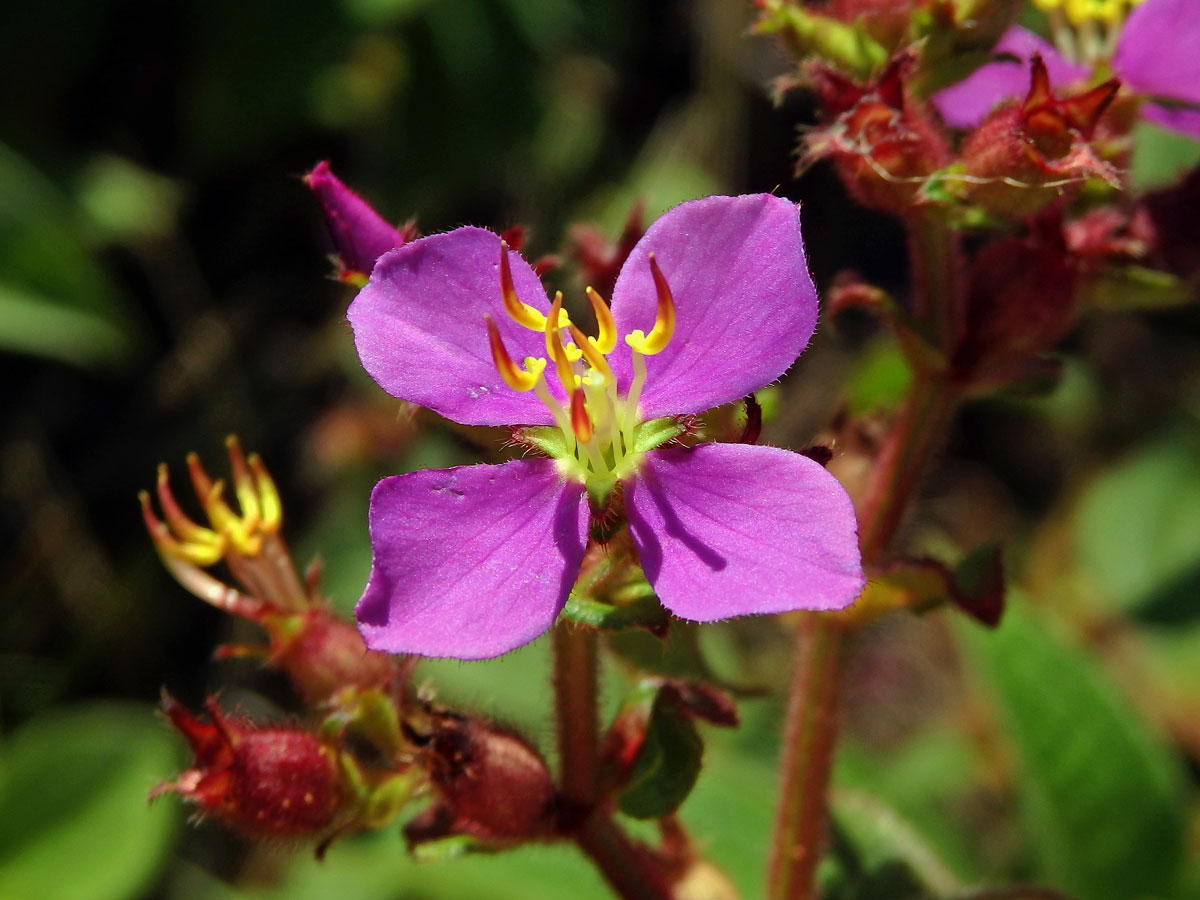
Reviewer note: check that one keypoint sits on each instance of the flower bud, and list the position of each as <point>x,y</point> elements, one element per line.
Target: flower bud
<point>323,655</point>
<point>884,142</point>
<point>600,260</point>
<point>490,783</point>
<point>360,235</point>
<point>266,782</point>
<point>1021,299</point>
<point>1026,153</point>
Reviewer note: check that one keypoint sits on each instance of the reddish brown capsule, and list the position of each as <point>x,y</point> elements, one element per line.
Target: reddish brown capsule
<point>267,782</point>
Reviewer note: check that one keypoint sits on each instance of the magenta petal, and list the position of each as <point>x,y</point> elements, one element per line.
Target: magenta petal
<point>359,233</point>
<point>965,104</point>
<point>746,302</point>
<point>420,332</point>
<point>730,529</point>
<point>471,562</point>
<point>1178,119</point>
<point>1158,52</point>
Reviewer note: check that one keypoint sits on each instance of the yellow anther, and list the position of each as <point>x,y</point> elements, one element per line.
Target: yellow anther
<point>574,354</point>
<point>606,337</point>
<point>592,353</point>
<point>243,482</point>
<point>514,376</point>
<point>664,318</point>
<point>555,348</point>
<point>196,553</point>
<point>177,519</point>
<point>581,422</point>
<point>1048,5</point>
<point>268,495</point>
<point>521,313</point>
<point>226,523</point>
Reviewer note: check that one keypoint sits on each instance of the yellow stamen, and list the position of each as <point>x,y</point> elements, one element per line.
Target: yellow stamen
<point>554,347</point>
<point>593,354</point>
<point>520,312</point>
<point>581,423</point>
<point>514,376</point>
<point>177,519</point>
<point>243,483</point>
<point>606,328</point>
<point>664,318</point>
<point>199,554</point>
<point>228,524</point>
<point>268,495</point>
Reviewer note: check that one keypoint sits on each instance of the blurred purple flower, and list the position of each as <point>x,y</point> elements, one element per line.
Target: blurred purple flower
<point>1157,57</point>
<point>474,561</point>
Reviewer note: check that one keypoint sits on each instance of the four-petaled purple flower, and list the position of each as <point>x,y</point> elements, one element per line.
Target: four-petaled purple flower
<point>474,561</point>
<point>1156,54</point>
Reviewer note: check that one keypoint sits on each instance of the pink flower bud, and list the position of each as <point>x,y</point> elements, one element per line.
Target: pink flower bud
<point>360,235</point>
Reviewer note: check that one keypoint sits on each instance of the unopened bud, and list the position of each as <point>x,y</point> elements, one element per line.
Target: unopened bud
<point>323,655</point>
<point>1027,153</point>
<point>262,781</point>
<point>491,784</point>
<point>360,235</point>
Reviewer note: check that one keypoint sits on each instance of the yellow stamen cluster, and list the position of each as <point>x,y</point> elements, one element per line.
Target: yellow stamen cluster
<point>248,540</point>
<point>597,425</point>
<point>1086,30</point>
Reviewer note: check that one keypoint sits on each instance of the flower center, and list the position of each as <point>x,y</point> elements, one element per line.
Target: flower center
<point>1086,30</point>
<point>600,436</point>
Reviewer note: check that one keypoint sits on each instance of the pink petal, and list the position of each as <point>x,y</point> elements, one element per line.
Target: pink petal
<point>420,332</point>
<point>359,233</point>
<point>730,529</point>
<point>964,105</point>
<point>471,562</point>
<point>746,302</point>
<point>1158,54</point>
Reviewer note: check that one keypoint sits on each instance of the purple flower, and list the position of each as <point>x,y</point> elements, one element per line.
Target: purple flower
<point>1156,55</point>
<point>476,560</point>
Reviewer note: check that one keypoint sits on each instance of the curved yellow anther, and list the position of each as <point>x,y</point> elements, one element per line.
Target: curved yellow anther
<point>606,337</point>
<point>243,482</point>
<point>664,318</point>
<point>520,312</point>
<point>197,553</point>
<point>240,534</point>
<point>268,495</point>
<point>581,422</point>
<point>555,348</point>
<point>592,353</point>
<point>514,376</point>
<point>177,519</point>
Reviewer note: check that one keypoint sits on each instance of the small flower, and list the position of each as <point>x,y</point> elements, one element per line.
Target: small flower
<point>1155,52</point>
<point>474,561</point>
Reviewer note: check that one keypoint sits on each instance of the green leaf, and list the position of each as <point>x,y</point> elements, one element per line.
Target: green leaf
<point>41,326</point>
<point>1099,793</point>
<point>1137,530</point>
<point>1134,287</point>
<point>667,764</point>
<point>76,823</point>
<point>643,611</point>
<point>1160,157</point>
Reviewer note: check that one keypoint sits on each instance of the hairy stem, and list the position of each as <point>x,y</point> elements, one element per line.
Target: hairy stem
<point>575,694</point>
<point>915,437</point>
<point>631,869</point>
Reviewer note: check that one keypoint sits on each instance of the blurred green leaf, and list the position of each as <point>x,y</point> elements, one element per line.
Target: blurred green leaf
<point>1134,287</point>
<point>127,202</point>
<point>1137,530</point>
<point>40,326</point>
<point>76,824</point>
<point>1101,796</point>
<point>879,379</point>
<point>56,300</point>
<point>667,764</point>
<point>1160,157</point>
